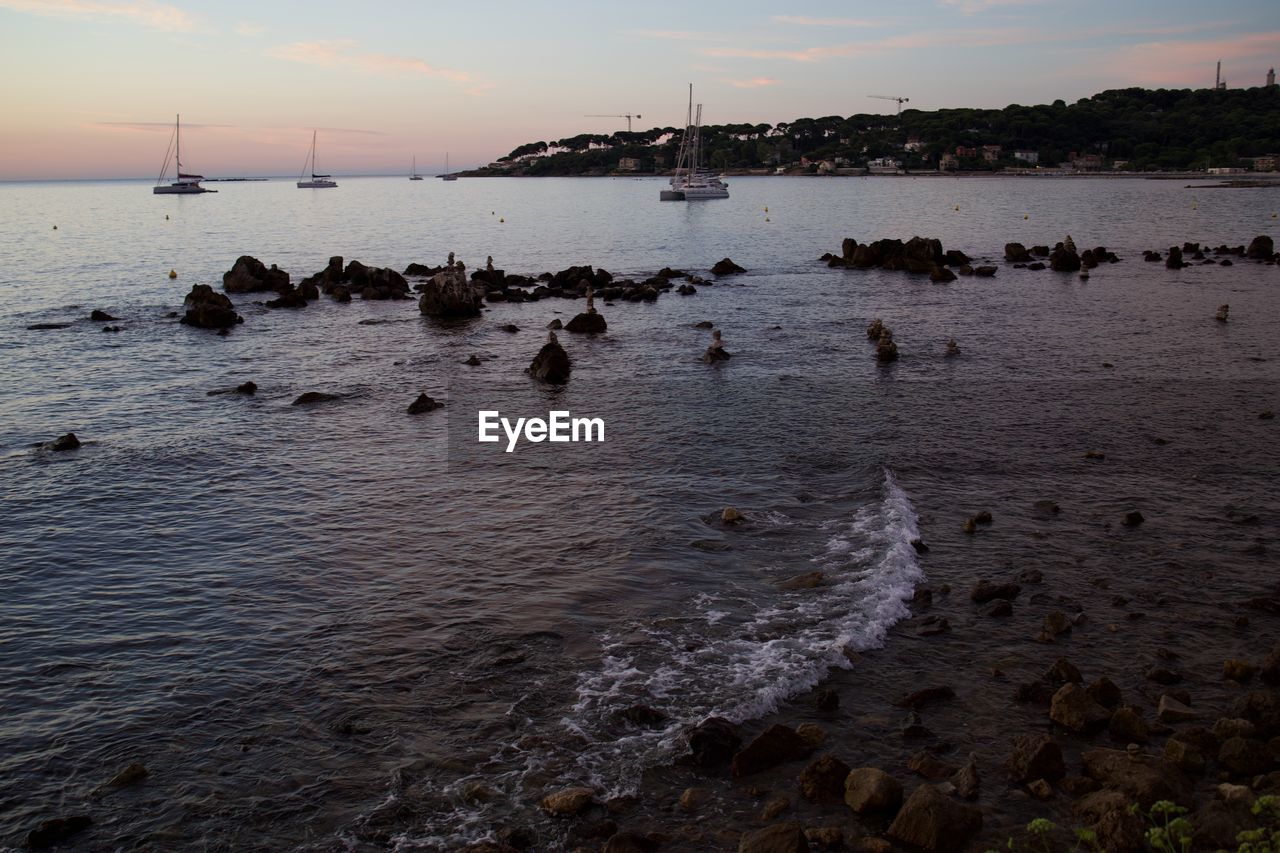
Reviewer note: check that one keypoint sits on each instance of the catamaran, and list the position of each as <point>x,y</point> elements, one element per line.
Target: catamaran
<point>691,181</point>
<point>413,175</point>
<point>185,184</point>
<point>317,182</point>
<point>446,176</point>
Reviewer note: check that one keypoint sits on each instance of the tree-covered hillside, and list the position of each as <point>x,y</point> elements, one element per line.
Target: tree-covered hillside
<point>1142,129</point>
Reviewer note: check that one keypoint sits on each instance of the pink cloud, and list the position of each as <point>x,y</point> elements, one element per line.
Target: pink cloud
<point>343,53</point>
<point>1191,63</point>
<point>806,21</point>
<point>160,16</point>
<point>753,83</point>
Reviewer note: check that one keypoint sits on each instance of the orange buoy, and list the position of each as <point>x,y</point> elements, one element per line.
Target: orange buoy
<point>173,273</point>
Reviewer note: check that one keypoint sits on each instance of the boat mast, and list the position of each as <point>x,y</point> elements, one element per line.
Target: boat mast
<point>177,150</point>
<point>313,155</point>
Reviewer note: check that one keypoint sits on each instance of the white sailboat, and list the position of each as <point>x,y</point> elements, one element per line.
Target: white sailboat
<point>413,175</point>
<point>692,182</point>
<point>317,182</point>
<point>447,176</point>
<point>185,184</point>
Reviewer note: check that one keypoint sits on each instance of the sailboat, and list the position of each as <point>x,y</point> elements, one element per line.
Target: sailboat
<point>185,184</point>
<point>446,176</point>
<point>317,182</point>
<point>692,182</point>
<point>414,176</point>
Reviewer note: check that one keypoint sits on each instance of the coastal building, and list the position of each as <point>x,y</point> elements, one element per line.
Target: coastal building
<point>1266,163</point>
<point>1226,170</point>
<point>628,164</point>
<point>991,153</point>
<point>913,144</point>
<point>883,166</point>
<point>1087,163</point>
<point>948,163</point>
<point>1119,165</point>
<point>964,151</point>
<point>1032,157</point>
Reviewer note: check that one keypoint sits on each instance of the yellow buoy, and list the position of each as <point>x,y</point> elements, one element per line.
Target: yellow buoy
<point>766,219</point>
<point>173,273</point>
<point>502,219</point>
<point>766,208</point>
<point>957,207</point>
<point>1026,216</point>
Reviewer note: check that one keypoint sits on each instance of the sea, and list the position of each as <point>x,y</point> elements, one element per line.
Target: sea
<point>345,627</point>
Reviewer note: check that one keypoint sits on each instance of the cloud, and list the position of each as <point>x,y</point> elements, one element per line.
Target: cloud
<point>974,7</point>
<point>805,21</point>
<point>1191,63</point>
<point>148,126</point>
<point>753,83</point>
<point>910,41</point>
<point>160,16</point>
<point>344,53</point>
<point>677,35</point>
<point>248,30</point>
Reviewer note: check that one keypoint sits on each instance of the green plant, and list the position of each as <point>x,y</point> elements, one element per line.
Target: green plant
<point>1170,831</point>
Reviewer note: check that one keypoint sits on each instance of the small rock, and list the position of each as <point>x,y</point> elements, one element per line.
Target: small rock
<point>423,404</point>
<point>53,832</point>
<point>1133,519</point>
<point>934,822</point>
<point>925,697</point>
<point>1056,623</point>
<point>1127,726</point>
<point>925,763</point>
<point>1105,692</point>
<point>726,267</point>
<point>67,441</point>
<point>781,838</point>
<point>249,387</point>
<point>1074,708</point>
<point>310,397</point>
<point>1245,757</point>
<point>776,745</point>
<point>555,325</point>
<point>774,807</point>
<point>1040,789</point>
<point>1184,756</point>
<point>1064,671</point>
<point>812,734</point>
<point>692,799</point>
<point>98,316</point>
<point>985,590</point>
<point>511,328</point>
<point>1170,710</point>
<point>830,837</point>
<point>1000,609</point>
<point>713,742</point>
<point>1238,670</point>
<point>823,780</point>
<point>730,515</point>
<point>131,775</point>
<point>567,802</point>
<point>826,700</point>
<point>869,789</point>
<point>472,361</point>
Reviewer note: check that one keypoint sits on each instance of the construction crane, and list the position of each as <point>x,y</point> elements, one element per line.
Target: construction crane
<point>627,116</point>
<point>900,101</point>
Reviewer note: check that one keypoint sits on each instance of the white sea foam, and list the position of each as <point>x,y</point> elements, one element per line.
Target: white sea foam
<point>721,659</point>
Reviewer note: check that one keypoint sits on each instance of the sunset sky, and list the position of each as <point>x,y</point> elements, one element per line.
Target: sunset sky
<point>92,86</point>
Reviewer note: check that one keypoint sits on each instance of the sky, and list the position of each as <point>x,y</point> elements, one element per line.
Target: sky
<point>91,87</point>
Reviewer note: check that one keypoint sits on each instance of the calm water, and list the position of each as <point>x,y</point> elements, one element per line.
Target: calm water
<point>321,627</point>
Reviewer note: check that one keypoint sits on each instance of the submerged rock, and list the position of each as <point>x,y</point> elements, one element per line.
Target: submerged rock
<point>309,397</point>
<point>53,832</point>
<point>101,316</point>
<point>567,802</point>
<point>67,441</point>
<point>780,838</point>
<point>726,267</point>
<point>776,745</point>
<point>712,743</point>
<point>423,404</point>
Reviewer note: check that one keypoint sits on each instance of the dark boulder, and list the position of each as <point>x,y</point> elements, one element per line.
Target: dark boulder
<point>1035,757</point>
<point>1017,253</point>
<point>207,309</point>
<point>1143,778</point>
<point>68,441</point>
<point>823,780</point>
<point>1174,261</point>
<point>250,275</point>
<point>449,294</point>
<point>776,745</point>
<point>309,397</point>
<point>1261,248</point>
<point>551,364</point>
<point>726,267</point>
<point>712,743</point>
<point>869,789</point>
<point>423,404</point>
<point>98,316</point>
<point>588,322</point>
<point>1064,259</point>
<point>779,838</point>
<point>290,297</point>
<point>932,821</point>
<point>985,590</point>
<point>54,832</point>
